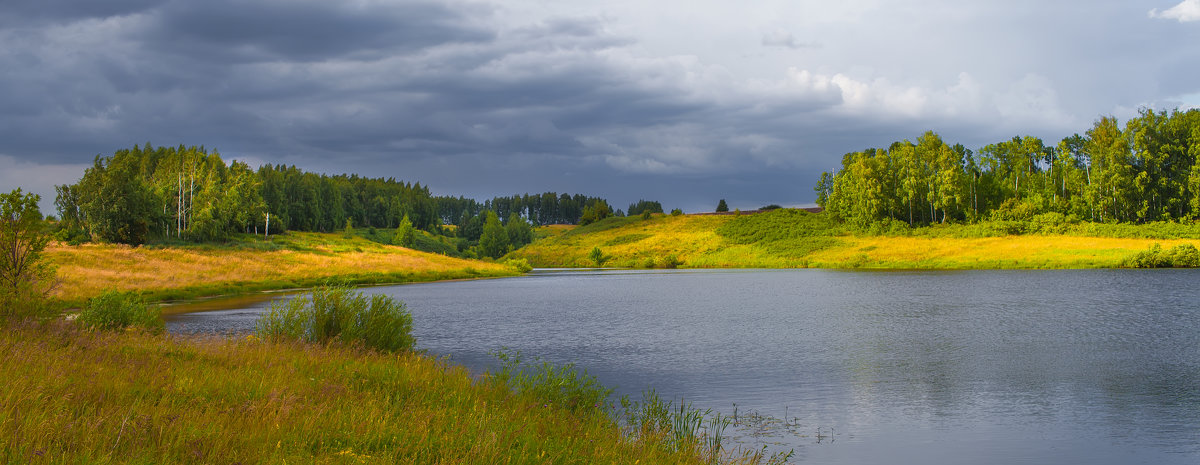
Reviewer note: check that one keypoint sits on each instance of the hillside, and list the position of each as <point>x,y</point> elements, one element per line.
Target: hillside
<point>249,264</point>
<point>789,238</point>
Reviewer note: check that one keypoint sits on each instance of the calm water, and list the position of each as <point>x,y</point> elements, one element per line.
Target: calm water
<point>977,367</point>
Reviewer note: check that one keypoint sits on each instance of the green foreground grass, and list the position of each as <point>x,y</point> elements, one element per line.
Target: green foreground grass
<point>788,238</point>
<point>81,396</point>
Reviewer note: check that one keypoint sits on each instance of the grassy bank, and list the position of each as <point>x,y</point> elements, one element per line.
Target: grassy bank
<point>77,396</point>
<point>791,239</point>
<point>296,260</point>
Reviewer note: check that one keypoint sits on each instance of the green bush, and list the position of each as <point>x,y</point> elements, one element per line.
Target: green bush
<point>520,264</point>
<point>120,310</point>
<point>1180,256</point>
<point>337,313</point>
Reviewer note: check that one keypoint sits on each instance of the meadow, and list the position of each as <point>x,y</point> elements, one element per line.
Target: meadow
<point>83,396</point>
<point>248,264</point>
<point>788,238</point>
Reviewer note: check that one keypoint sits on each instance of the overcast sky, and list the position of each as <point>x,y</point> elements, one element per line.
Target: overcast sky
<point>684,102</point>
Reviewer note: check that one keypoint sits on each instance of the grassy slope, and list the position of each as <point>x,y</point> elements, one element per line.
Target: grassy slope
<point>75,396</point>
<point>788,238</point>
<point>294,260</point>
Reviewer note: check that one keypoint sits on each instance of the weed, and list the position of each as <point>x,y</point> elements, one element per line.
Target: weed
<point>120,310</point>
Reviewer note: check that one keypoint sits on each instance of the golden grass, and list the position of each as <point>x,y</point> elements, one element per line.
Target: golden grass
<point>694,240</point>
<point>979,253</point>
<point>75,396</point>
<point>87,270</point>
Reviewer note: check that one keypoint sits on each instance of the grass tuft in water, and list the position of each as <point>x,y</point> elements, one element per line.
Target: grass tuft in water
<point>337,312</point>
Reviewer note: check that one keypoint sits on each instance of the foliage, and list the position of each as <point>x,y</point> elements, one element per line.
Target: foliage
<point>1147,171</point>
<point>1180,256</point>
<point>520,264</point>
<point>644,206</point>
<point>405,235</point>
<point>338,313</point>
<point>520,232</point>
<point>538,209</point>
<point>596,212</point>
<point>113,310</point>
<point>494,240</point>
<point>676,212</point>
<point>26,278</point>
<point>646,215</point>
<point>598,257</point>
<point>722,206</point>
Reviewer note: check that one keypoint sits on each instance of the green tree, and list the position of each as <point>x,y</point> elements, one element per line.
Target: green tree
<point>722,206</point>
<point>520,232</point>
<point>25,279</point>
<point>494,240</point>
<point>119,207</point>
<point>406,234</point>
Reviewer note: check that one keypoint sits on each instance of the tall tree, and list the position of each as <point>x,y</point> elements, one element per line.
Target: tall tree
<point>494,240</point>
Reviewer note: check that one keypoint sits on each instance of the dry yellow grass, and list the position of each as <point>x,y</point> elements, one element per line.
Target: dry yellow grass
<point>89,269</point>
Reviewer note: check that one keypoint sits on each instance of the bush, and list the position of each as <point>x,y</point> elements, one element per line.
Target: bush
<point>120,310</point>
<point>1180,256</point>
<point>520,264</point>
<point>670,262</point>
<point>338,313</point>
<point>598,257</point>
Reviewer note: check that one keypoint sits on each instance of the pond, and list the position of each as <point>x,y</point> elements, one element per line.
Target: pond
<point>1081,366</point>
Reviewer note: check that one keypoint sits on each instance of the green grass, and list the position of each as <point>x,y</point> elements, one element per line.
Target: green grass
<point>789,238</point>
<point>79,396</point>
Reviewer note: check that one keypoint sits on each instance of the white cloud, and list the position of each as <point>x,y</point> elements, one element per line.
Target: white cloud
<point>1185,11</point>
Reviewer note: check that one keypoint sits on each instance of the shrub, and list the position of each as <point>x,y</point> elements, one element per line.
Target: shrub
<point>120,310</point>
<point>598,257</point>
<point>676,212</point>
<point>520,264</point>
<point>670,262</point>
<point>1180,256</point>
<point>337,313</point>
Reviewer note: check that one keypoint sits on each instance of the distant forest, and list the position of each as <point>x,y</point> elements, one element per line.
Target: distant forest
<point>1148,170</point>
<point>191,194</point>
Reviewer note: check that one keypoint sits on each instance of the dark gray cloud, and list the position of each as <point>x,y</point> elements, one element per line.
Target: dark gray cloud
<point>487,99</point>
<point>38,13</point>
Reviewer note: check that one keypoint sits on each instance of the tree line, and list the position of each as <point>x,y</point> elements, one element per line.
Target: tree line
<point>190,193</point>
<point>1146,170</point>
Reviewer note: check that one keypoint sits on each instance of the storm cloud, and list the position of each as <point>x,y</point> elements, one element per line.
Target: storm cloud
<point>682,102</point>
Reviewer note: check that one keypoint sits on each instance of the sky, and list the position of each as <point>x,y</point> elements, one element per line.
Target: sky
<point>684,102</point>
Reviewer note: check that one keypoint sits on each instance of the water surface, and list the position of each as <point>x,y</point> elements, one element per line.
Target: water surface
<point>1040,367</point>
